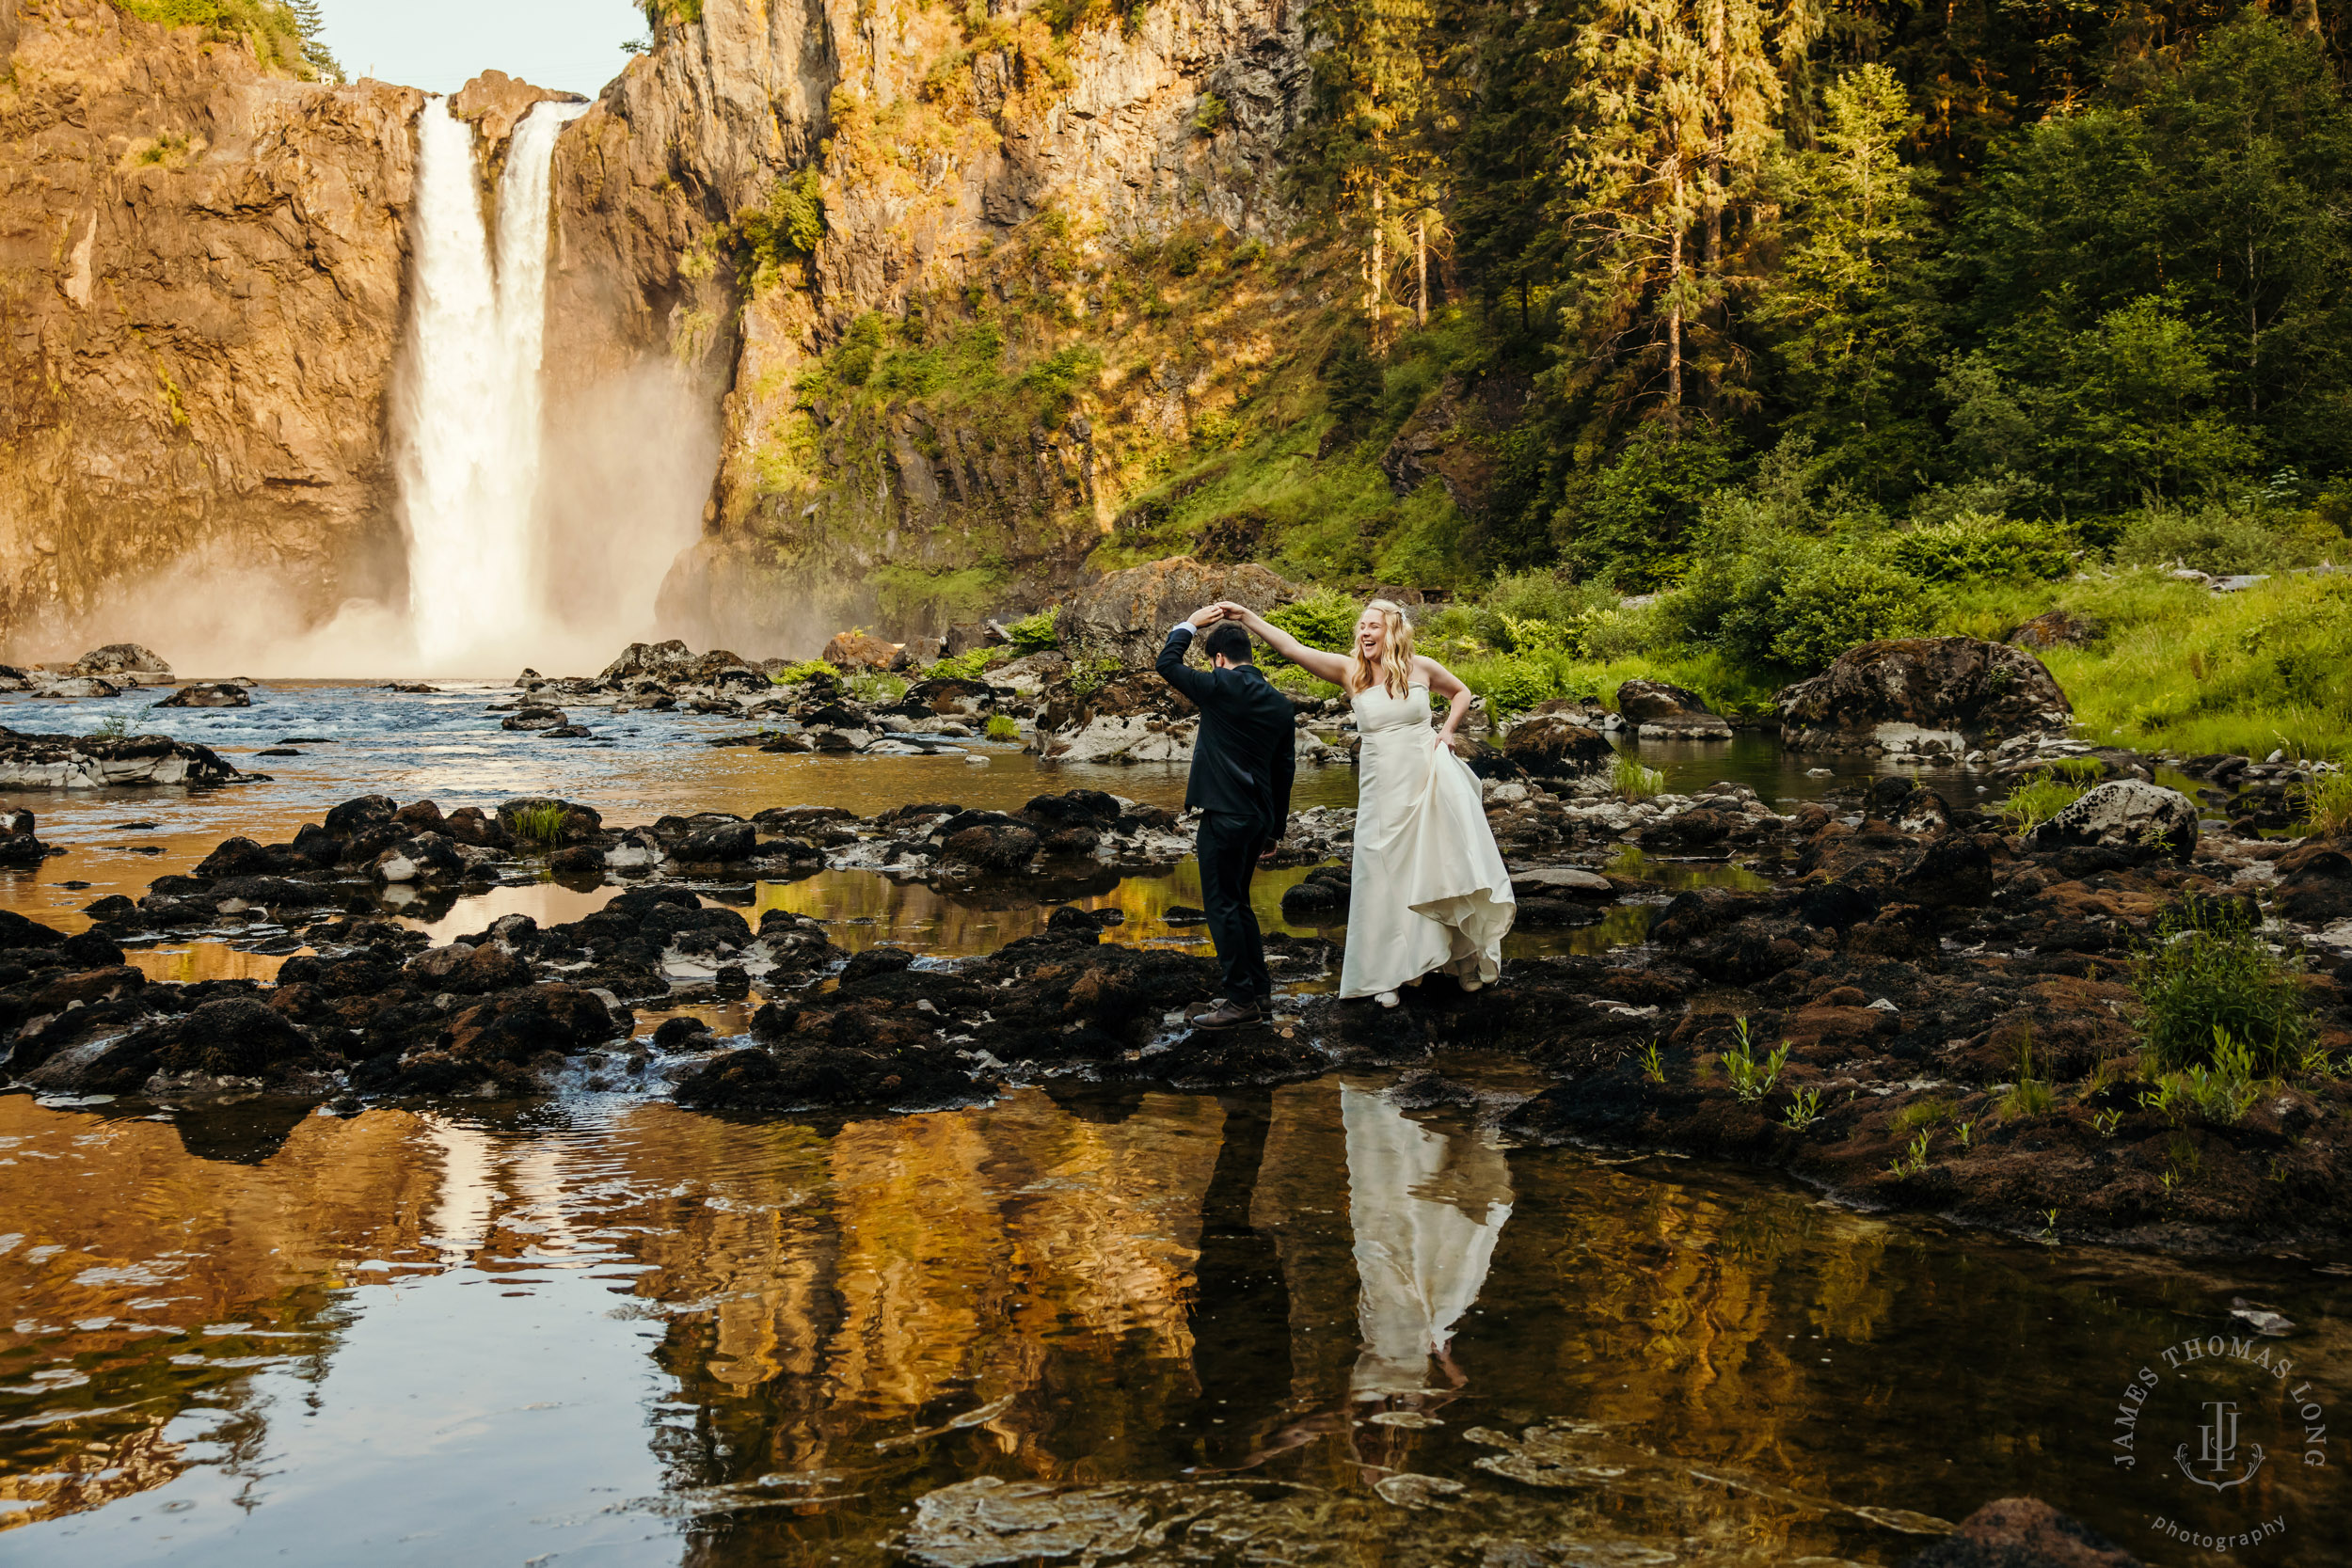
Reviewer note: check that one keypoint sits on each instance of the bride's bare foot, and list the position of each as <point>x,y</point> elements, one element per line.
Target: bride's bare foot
<point>1471,982</point>
<point>1386,998</point>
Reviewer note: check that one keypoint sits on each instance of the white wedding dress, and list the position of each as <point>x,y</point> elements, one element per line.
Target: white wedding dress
<point>1429,890</point>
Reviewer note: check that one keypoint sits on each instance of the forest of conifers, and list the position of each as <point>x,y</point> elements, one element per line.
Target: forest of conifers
<point>2079,263</point>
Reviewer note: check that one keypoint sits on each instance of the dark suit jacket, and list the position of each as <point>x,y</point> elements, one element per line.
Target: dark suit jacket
<point>1246,754</point>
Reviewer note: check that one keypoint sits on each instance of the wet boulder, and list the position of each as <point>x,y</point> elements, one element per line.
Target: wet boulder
<point>241,857</point>
<point>997,846</point>
<point>534,718</point>
<point>515,1027</point>
<point>2315,882</point>
<point>79,685</point>
<point>363,811</point>
<point>846,1057</point>
<point>1553,745</point>
<point>1319,898</point>
<point>465,971</point>
<point>238,1037</point>
<point>93,761</point>
<point>422,858</point>
<point>1126,615</point>
<point>719,843</point>
<point>1660,711</point>
<point>20,849</point>
<point>209,696</point>
<point>2126,814</point>
<point>1904,693</point>
<point>656,663</point>
<point>123,659</point>
<point>857,650</point>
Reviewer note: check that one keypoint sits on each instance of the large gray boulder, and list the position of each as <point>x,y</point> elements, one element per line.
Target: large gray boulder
<point>1126,615</point>
<point>1923,693</point>
<point>2123,814</point>
<point>123,659</point>
<point>91,762</point>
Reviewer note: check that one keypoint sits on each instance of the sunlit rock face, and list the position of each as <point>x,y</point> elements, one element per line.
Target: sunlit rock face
<point>200,273</point>
<point>935,150</point>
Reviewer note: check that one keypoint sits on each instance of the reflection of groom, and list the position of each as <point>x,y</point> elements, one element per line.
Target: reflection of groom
<point>1242,762</point>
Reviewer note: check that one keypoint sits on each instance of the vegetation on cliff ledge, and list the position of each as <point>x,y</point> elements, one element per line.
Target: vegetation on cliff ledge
<point>287,37</point>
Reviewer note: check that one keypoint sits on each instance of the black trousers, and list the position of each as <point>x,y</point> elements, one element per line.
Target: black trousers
<point>1228,848</point>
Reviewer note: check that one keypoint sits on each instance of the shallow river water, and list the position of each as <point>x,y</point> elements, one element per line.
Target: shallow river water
<point>1336,1321</point>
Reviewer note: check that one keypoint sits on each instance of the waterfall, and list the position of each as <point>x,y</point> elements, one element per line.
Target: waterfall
<point>469,412</point>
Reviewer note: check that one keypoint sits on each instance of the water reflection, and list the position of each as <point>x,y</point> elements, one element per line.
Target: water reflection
<point>1427,1210</point>
<point>626,1332</point>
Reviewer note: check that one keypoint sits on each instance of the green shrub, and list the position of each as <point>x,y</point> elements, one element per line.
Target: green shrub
<point>1838,601</point>
<point>2219,538</point>
<point>968,666</point>
<point>1975,548</point>
<point>1510,683</point>
<point>2036,799</point>
<point>1002,728</point>
<point>1323,619</point>
<point>807,670</point>
<point>1034,634</point>
<point>2206,972</point>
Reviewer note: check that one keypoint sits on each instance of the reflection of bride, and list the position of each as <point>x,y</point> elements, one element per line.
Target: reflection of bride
<point>1426,1209</point>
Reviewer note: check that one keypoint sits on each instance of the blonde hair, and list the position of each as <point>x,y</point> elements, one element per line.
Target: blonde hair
<point>1395,669</point>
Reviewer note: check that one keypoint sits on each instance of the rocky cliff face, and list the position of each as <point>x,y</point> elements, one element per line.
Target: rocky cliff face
<point>984,182</point>
<point>200,277</point>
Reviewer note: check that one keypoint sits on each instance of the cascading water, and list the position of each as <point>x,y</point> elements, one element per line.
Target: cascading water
<point>469,415</point>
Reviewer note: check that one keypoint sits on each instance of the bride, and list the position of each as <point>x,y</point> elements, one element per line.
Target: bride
<point>1430,890</point>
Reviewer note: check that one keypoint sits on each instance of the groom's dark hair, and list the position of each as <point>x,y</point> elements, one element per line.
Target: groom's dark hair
<point>1227,641</point>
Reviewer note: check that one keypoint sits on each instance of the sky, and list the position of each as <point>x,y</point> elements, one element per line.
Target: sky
<point>570,45</point>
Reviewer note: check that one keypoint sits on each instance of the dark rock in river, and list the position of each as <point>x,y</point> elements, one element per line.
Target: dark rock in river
<point>2022,1532</point>
<point>534,719</point>
<point>1660,711</point>
<point>208,696</point>
<point>1959,689</point>
<point>1553,745</point>
<point>719,843</point>
<point>999,846</point>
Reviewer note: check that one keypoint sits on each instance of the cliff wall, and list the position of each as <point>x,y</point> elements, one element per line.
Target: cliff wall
<point>200,277</point>
<point>928,401</point>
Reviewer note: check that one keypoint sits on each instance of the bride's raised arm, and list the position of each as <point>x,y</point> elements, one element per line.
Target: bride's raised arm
<point>1323,666</point>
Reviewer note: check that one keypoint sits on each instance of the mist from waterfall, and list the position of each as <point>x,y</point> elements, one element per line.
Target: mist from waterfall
<point>468,415</point>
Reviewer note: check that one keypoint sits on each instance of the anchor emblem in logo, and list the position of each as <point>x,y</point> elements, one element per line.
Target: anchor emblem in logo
<point>2217,1449</point>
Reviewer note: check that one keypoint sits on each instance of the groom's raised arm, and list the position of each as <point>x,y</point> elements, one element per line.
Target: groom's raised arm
<point>1173,669</point>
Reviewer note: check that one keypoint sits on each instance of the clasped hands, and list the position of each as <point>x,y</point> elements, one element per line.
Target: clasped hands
<point>1224,610</point>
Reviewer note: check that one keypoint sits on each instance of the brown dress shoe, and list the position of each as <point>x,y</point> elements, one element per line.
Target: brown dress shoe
<point>1229,1015</point>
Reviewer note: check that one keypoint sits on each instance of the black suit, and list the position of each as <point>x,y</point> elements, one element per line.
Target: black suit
<point>1242,760</point>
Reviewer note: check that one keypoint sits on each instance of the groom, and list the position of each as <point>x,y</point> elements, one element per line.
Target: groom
<point>1241,763</point>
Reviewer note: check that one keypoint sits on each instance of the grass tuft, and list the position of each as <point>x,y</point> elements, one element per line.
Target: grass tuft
<point>2205,976</point>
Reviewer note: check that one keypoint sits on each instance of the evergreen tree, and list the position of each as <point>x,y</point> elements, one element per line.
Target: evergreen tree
<point>1681,102</point>
<point>311,24</point>
<point>1841,301</point>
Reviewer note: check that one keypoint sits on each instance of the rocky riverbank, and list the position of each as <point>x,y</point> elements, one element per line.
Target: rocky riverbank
<point>1903,965</point>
